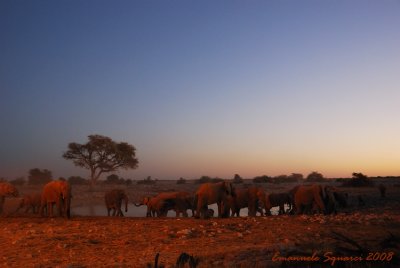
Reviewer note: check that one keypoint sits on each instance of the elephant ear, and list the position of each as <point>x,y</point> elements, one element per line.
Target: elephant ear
<point>231,190</point>
<point>326,192</point>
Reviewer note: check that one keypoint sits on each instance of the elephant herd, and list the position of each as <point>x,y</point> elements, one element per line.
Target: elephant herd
<point>56,192</point>
<point>302,199</point>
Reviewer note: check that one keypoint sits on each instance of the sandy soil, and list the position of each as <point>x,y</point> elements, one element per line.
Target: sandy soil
<point>31,241</point>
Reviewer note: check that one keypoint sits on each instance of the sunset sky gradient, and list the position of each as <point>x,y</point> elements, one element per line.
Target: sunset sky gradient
<point>203,87</point>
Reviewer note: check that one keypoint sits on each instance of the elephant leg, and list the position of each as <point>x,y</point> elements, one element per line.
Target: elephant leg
<point>41,210</point>
<point>59,207</point>
<point>299,209</point>
<point>49,209</point>
<point>197,212</point>
<point>319,202</point>
<point>219,204</point>
<point>261,211</point>
<point>281,209</point>
<point>2,198</point>
<point>199,207</point>
<point>114,211</point>
<point>161,213</point>
<point>117,213</point>
<point>268,212</point>
<point>224,211</point>
<point>202,212</point>
<point>108,211</point>
<point>289,208</point>
<point>252,211</point>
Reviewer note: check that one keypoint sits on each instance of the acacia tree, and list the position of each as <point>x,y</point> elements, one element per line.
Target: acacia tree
<point>101,155</point>
<point>315,177</point>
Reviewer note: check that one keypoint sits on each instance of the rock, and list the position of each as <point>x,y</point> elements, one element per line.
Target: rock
<point>184,232</point>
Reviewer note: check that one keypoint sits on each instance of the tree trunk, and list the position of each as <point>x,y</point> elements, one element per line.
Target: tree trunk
<point>93,178</point>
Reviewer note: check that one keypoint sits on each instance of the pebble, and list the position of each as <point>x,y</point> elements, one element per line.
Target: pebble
<point>184,232</point>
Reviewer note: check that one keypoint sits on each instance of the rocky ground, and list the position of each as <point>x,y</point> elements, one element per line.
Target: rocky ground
<point>358,237</point>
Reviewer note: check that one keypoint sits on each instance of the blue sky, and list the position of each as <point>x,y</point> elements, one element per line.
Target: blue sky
<point>203,88</point>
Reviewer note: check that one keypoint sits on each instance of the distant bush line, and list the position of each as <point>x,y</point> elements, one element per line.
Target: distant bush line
<point>43,176</point>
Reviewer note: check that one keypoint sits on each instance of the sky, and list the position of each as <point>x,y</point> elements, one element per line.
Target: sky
<point>212,88</point>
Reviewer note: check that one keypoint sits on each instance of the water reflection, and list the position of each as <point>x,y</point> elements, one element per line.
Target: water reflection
<point>133,211</point>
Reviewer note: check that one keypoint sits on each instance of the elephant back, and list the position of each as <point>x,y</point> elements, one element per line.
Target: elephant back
<point>53,190</point>
<point>8,189</point>
<point>306,195</point>
<point>114,196</point>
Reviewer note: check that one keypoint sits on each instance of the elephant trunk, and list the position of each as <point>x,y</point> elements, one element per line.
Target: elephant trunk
<point>126,203</point>
<point>67,205</point>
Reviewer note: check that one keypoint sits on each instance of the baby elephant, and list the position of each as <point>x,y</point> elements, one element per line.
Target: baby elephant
<point>113,201</point>
<point>31,202</point>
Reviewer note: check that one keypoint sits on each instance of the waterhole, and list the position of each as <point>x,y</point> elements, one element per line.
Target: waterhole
<point>133,211</point>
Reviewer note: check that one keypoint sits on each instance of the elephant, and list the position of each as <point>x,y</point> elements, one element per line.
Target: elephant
<point>160,204</point>
<point>210,193</point>
<point>306,195</point>
<point>58,193</point>
<point>275,200</point>
<point>382,190</point>
<point>7,189</point>
<point>113,200</point>
<point>333,198</point>
<point>184,258</point>
<point>246,197</point>
<point>150,202</point>
<point>31,201</point>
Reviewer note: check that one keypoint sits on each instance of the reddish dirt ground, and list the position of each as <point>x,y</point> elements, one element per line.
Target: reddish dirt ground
<point>235,242</point>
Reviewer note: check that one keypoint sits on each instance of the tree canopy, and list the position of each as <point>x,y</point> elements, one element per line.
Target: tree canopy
<point>102,155</point>
<point>38,176</point>
<point>315,177</point>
